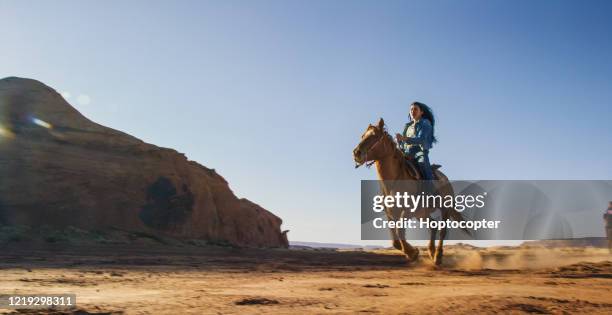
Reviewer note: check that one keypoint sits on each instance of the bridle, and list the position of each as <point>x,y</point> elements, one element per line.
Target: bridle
<point>368,164</point>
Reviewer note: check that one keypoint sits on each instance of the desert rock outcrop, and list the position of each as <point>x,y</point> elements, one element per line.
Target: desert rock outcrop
<point>60,169</point>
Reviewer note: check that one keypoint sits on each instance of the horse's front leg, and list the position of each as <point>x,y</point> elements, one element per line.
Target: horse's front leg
<point>395,241</point>
<point>412,253</point>
<point>432,242</point>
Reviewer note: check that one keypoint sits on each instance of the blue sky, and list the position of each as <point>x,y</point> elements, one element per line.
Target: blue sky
<point>275,94</point>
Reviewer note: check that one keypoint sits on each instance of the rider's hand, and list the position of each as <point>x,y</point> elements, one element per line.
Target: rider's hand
<point>399,137</point>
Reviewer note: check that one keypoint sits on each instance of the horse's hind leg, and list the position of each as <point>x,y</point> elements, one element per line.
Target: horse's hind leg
<point>440,248</point>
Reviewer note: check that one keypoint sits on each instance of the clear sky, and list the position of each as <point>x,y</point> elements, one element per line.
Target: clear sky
<point>275,94</point>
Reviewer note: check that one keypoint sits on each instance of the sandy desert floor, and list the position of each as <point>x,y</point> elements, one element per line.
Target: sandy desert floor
<point>219,280</point>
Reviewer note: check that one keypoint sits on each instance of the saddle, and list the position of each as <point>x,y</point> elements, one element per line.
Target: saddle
<point>415,170</point>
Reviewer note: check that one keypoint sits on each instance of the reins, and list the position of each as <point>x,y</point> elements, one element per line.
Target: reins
<point>382,137</point>
<point>398,154</point>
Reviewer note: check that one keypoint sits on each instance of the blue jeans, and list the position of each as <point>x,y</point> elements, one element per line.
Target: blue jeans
<point>422,159</point>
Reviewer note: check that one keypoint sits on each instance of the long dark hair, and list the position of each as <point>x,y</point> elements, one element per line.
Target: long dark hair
<point>428,113</point>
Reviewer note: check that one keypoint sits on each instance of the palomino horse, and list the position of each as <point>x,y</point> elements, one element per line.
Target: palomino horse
<point>378,147</point>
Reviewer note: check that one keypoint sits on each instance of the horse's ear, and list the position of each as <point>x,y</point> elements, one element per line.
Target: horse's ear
<point>381,124</point>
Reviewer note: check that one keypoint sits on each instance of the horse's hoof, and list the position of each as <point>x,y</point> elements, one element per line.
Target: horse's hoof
<point>414,256</point>
<point>438,260</point>
<point>397,245</point>
<point>432,253</point>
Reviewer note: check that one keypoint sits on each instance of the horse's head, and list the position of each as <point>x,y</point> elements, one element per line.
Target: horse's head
<point>375,144</point>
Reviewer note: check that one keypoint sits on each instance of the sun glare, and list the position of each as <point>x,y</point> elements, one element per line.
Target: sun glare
<point>41,123</point>
<point>6,133</point>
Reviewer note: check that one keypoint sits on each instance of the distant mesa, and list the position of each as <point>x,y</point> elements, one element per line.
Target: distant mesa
<point>60,169</point>
<point>597,242</point>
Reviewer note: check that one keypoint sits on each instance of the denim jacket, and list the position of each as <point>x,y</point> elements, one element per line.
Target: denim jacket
<point>423,134</point>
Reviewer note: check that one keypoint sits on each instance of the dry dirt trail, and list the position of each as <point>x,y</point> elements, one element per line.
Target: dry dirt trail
<point>218,280</point>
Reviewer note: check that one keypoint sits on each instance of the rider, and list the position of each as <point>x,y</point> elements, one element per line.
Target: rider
<point>418,137</point>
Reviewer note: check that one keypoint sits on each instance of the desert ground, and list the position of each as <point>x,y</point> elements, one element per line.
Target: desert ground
<point>150,278</point>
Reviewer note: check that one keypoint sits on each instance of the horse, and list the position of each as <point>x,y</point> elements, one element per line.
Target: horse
<point>378,147</point>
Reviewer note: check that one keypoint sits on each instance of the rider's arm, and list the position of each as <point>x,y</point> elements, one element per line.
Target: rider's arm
<point>422,134</point>
<point>401,137</point>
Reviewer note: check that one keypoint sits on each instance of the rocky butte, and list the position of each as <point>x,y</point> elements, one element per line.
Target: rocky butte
<point>59,169</point>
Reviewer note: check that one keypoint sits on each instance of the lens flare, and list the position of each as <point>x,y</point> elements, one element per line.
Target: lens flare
<point>41,123</point>
<point>6,133</point>
<point>66,95</point>
<point>83,99</point>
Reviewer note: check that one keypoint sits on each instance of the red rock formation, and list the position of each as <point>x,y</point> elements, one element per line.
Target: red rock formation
<point>60,169</point>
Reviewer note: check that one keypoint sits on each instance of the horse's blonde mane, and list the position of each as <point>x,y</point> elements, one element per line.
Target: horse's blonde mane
<point>398,154</point>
